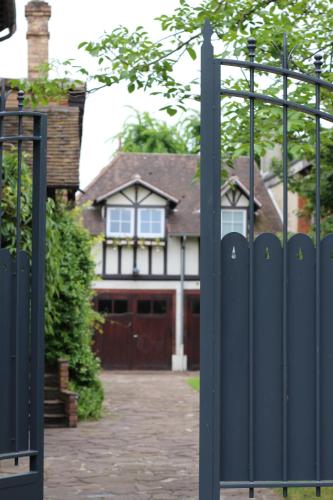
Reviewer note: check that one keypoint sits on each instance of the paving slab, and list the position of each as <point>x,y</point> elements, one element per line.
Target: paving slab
<point>144,448</point>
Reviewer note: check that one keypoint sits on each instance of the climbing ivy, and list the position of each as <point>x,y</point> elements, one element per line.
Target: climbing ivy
<point>69,316</point>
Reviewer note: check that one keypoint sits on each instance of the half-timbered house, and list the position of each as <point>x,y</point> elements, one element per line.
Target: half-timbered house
<point>147,208</point>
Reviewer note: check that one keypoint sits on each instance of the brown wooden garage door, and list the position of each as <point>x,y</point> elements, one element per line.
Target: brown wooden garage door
<point>138,330</point>
<point>192,330</point>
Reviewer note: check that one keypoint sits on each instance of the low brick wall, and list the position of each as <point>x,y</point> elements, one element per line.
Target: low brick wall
<point>68,397</point>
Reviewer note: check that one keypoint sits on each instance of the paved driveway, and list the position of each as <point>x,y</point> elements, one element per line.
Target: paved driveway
<point>144,448</point>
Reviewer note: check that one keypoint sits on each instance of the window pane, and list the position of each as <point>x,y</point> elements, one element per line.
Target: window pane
<point>226,215</point>
<point>227,227</point>
<point>145,215</point>
<point>120,221</point>
<point>238,228</point>
<point>233,221</point>
<point>159,306</point>
<point>120,306</point>
<point>150,222</point>
<point>238,217</point>
<point>156,215</point>
<point>144,306</point>
<point>115,214</point>
<point>105,306</point>
<point>156,227</point>
<point>125,227</point>
<point>126,215</point>
<point>145,228</point>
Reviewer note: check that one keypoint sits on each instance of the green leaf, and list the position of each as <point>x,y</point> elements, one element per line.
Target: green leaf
<point>192,53</point>
<point>171,111</point>
<point>131,87</point>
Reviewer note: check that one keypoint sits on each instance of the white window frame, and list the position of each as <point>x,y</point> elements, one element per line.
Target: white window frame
<point>110,233</point>
<point>244,212</point>
<point>142,234</point>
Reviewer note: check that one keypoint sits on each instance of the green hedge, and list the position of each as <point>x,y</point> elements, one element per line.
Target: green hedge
<point>69,316</point>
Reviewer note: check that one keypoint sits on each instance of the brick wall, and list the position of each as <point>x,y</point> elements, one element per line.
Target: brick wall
<point>68,397</point>
<point>38,14</point>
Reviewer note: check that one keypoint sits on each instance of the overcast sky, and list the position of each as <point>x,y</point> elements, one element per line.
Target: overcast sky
<point>73,21</point>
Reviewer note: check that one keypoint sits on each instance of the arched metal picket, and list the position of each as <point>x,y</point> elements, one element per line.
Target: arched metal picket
<point>266,322</point>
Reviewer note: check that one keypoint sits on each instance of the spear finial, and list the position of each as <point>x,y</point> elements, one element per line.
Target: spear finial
<point>318,62</point>
<point>207,31</point>
<point>20,99</point>
<point>251,47</point>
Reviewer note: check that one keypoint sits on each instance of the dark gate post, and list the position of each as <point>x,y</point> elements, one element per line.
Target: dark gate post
<point>210,282</point>
<point>37,298</point>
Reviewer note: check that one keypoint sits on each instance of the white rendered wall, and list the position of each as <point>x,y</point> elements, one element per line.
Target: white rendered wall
<point>118,199</point>
<point>277,193</point>
<point>97,255</point>
<point>157,260</point>
<point>153,199</point>
<point>126,260</point>
<point>142,260</point>
<point>173,255</point>
<point>111,260</point>
<point>192,257</point>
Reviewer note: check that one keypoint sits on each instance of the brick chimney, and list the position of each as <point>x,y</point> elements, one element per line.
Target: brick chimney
<point>38,14</point>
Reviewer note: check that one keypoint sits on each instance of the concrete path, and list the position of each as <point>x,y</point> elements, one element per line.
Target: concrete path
<point>144,448</point>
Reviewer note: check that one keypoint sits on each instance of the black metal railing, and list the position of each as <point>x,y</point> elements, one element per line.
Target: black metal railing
<point>22,134</point>
<point>250,394</point>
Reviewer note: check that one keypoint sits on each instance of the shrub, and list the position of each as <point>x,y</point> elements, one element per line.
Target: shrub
<point>69,316</point>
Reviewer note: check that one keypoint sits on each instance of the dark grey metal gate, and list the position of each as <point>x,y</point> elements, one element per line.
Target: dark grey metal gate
<point>266,402</point>
<point>22,308</point>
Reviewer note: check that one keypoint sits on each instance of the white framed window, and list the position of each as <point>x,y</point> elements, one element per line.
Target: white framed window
<point>120,221</point>
<point>233,221</point>
<point>151,222</point>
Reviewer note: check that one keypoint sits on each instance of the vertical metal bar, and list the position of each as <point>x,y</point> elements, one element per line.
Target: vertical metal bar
<point>210,278</point>
<point>285,273</point>
<point>2,108</point>
<point>251,49</point>
<point>37,297</point>
<point>318,63</point>
<point>20,99</point>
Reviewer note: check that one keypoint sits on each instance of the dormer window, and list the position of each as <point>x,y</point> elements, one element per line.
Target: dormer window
<point>120,221</point>
<point>151,222</point>
<point>233,221</point>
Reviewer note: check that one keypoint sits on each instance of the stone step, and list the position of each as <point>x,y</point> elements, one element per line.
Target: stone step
<point>55,420</point>
<point>54,406</point>
<point>51,393</point>
<point>51,379</point>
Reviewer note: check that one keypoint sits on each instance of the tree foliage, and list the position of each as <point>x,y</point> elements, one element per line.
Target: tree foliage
<point>146,134</point>
<point>69,317</point>
<point>145,63</point>
<point>142,62</point>
<point>149,64</point>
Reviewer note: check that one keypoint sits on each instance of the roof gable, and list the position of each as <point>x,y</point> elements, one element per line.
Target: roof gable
<point>234,182</point>
<point>138,181</point>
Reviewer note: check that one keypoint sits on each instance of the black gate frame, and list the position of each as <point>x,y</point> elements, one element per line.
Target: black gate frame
<point>210,263</point>
<point>28,485</point>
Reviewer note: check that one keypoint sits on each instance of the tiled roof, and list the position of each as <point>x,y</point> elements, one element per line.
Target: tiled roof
<point>173,174</point>
<point>64,137</point>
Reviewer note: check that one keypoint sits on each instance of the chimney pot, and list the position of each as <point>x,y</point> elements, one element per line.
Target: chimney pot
<point>38,14</point>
